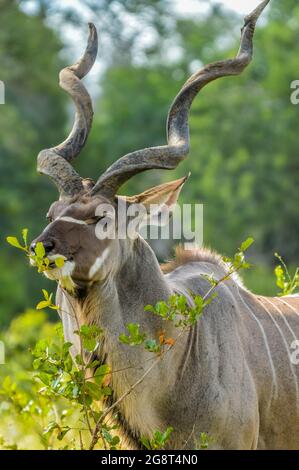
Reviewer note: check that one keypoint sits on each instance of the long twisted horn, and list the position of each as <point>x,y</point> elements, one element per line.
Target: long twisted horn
<point>169,156</point>
<point>54,162</point>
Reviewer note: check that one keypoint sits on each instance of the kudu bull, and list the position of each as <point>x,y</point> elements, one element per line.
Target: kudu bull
<point>231,375</point>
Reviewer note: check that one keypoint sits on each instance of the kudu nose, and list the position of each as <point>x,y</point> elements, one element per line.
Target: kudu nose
<point>48,246</point>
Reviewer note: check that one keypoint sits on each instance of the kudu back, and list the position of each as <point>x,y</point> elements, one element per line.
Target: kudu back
<point>229,376</point>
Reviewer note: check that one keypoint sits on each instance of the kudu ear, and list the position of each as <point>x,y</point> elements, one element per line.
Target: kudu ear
<point>158,203</point>
<point>164,194</point>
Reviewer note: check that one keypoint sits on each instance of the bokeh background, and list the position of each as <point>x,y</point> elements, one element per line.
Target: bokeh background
<point>244,131</point>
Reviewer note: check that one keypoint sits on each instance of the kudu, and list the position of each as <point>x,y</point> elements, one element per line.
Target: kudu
<point>231,375</point>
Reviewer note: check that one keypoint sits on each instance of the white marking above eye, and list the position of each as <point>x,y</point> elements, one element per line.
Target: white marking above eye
<point>72,220</point>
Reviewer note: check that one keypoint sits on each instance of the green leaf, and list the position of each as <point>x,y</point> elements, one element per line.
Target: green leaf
<point>167,433</point>
<point>63,432</point>
<point>246,244</point>
<point>93,389</point>
<point>204,440</point>
<point>45,378</point>
<point>146,443</point>
<point>40,347</point>
<point>59,262</point>
<point>37,363</point>
<point>238,259</point>
<point>148,308</point>
<point>124,339</point>
<point>89,344</point>
<point>66,346</point>
<point>51,427</point>
<point>162,309</point>
<point>106,391</point>
<point>40,250</point>
<point>182,302</point>
<point>135,337</point>
<point>25,236</point>
<point>43,304</point>
<point>93,364</point>
<point>90,330</point>
<point>115,441</point>
<point>158,441</point>
<point>152,346</point>
<point>78,359</point>
<point>46,294</point>
<point>100,373</point>
<point>133,329</point>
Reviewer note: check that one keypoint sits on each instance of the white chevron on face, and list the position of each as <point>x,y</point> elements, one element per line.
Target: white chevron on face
<point>97,265</point>
<point>71,220</point>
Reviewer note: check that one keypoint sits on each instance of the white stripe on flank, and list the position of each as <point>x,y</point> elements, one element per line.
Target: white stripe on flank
<point>275,383</point>
<point>287,346</point>
<point>287,304</point>
<point>72,220</point>
<point>98,263</point>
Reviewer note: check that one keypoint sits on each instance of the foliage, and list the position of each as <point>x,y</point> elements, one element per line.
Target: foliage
<point>158,440</point>
<point>62,401</point>
<point>24,411</point>
<point>178,310</point>
<point>38,258</point>
<point>205,441</point>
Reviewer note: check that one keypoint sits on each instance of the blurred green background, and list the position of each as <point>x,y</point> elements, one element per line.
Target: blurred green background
<point>244,131</point>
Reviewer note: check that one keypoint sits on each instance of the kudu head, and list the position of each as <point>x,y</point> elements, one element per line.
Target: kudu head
<point>71,232</point>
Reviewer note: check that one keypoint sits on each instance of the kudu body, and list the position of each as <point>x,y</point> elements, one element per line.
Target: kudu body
<point>231,375</point>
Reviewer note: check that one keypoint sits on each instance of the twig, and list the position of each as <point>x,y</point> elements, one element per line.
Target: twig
<point>80,439</point>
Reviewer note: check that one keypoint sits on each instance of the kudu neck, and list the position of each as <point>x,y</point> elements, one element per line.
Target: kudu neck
<point>140,277</point>
<point>121,298</point>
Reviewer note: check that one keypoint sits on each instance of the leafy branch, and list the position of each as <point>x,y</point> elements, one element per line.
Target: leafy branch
<point>284,280</point>
<point>37,258</point>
